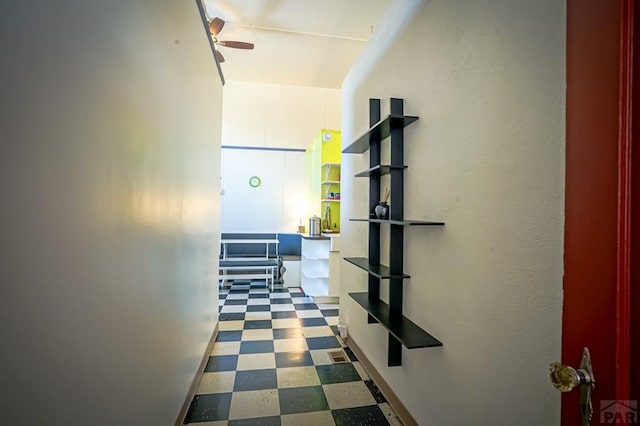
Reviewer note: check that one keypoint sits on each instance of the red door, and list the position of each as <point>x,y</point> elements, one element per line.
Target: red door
<point>601,304</point>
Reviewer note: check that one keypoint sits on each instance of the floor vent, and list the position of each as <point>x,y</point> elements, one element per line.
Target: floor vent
<point>338,357</point>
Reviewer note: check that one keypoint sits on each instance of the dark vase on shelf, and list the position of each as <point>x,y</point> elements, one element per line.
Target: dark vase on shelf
<point>382,210</point>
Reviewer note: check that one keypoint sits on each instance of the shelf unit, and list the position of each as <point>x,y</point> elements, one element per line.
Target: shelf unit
<point>401,330</point>
<point>314,266</point>
<point>330,183</point>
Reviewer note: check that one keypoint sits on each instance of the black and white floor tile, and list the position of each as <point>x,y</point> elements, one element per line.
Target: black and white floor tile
<point>271,365</point>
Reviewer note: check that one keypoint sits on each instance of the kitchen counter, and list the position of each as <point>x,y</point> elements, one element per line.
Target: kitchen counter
<point>316,237</point>
<point>334,237</point>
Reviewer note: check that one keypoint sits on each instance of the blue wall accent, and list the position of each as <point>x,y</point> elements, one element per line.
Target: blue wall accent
<point>290,244</point>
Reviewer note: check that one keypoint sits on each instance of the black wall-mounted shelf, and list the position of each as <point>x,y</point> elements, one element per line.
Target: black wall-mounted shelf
<point>401,330</point>
<point>379,131</point>
<point>379,271</point>
<point>379,170</point>
<point>401,222</point>
<point>406,331</point>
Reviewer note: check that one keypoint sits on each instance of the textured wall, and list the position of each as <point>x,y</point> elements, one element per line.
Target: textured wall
<point>110,176</point>
<point>486,157</point>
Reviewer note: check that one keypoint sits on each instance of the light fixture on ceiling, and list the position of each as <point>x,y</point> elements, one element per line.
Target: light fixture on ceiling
<point>215,26</point>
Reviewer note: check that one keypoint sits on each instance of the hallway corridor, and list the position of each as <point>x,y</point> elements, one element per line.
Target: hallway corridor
<point>272,365</point>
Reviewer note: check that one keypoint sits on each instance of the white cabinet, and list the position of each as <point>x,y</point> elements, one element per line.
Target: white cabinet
<point>293,114</point>
<point>314,267</point>
<point>332,112</point>
<point>243,114</point>
<point>276,116</point>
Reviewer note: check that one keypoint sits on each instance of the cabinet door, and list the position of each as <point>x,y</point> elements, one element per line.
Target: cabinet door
<point>294,115</point>
<point>313,157</point>
<point>243,115</point>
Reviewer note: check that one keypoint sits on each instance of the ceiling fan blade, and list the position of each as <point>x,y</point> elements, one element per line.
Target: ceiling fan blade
<point>219,56</point>
<point>215,26</point>
<point>236,44</point>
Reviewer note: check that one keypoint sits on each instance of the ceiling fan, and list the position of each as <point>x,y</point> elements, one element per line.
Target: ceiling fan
<point>215,26</point>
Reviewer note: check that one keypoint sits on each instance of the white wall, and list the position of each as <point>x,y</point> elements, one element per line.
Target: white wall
<point>486,157</point>
<point>109,219</point>
<point>274,206</point>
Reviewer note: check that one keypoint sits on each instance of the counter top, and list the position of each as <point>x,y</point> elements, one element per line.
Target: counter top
<point>315,237</point>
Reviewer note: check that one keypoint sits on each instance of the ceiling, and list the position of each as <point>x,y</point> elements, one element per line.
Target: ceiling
<point>297,42</point>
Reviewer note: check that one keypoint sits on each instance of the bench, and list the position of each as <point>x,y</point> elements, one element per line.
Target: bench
<point>248,256</point>
<point>258,256</point>
<point>248,269</point>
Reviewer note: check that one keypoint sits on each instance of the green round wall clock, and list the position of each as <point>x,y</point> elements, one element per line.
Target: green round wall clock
<point>254,181</point>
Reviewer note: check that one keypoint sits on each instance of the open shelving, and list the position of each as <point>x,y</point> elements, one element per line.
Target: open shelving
<point>377,270</point>
<point>379,131</point>
<point>314,265</point>
<point>401,330</point>
<point>379,170</point>
<point>400,222</point>
<point>330,183</point>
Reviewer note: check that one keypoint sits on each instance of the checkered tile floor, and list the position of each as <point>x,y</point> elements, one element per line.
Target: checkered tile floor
<point>270,365</point>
